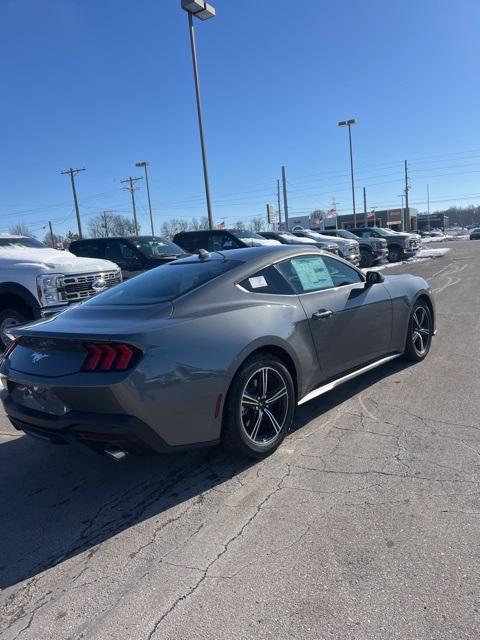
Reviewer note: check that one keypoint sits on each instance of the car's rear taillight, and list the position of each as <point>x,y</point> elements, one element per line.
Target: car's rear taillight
<point>112,356</point>
<point>10,347</point>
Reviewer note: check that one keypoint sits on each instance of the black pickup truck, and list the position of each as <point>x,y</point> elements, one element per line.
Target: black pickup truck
<point>400,245</point>
<point>371,249</point>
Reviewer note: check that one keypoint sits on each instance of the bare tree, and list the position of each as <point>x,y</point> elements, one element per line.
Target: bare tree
<point>70,236</point>
<point>239,225</point>
<point>21,229</point>
<point>256,224</point>
<point>58,241</point>
<point>316,216</point>
<point>108,224</point>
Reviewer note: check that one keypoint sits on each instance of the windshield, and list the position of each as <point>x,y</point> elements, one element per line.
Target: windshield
<point>247,234</point>
<point>347,234</point>
<point>155,247</point>
<point>164,283</point>
<point>29,243</point>
<point>383,232</point>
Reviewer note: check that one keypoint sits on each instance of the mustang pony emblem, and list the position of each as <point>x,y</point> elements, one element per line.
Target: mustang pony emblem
<point>36,357</point>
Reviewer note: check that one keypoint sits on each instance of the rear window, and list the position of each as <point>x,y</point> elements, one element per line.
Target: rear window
<point>164,283</point>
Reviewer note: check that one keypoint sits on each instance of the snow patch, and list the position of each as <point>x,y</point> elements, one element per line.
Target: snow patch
<point>422,256</point>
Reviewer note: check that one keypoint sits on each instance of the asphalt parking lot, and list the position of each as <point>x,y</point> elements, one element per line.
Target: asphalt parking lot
<point>364,525</point>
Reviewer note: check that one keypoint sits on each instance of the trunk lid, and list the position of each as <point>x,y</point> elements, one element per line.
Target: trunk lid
<point>55,347</point>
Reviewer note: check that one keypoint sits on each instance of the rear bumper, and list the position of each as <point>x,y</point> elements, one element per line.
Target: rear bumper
<point>94,431</point>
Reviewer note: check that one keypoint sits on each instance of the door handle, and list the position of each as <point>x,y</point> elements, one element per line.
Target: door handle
<point>322,314</point>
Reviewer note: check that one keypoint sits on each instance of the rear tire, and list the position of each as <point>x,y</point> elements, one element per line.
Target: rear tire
<point>366,259</point>
<point>9,318</point>
<point>420,332</point>
<point>395,254</point>
<point>260,407</point>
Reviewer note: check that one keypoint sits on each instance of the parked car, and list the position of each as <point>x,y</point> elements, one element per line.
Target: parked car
<point>36,281</point>
<point>400,245</point>
<point>348,249</point>
<point>133,254</point>
<point>213,347</point>
<point>219,240</point>
<point>475,234</point>
<point>285,237</point>
<point>371,249</point>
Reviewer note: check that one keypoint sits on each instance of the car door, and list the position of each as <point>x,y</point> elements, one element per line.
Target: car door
<point>351,322</point>
<point>122,253</point>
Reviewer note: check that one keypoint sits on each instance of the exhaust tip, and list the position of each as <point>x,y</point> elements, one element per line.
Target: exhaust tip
<point>116,453</point>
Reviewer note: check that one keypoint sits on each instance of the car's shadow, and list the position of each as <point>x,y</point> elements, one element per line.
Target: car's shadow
<point>56,502</point>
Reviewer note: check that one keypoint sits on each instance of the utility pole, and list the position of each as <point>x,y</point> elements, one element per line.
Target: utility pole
<point>279,204</point>
<point>132,188</point>
<point>428,205</point>
<point>72,173</point>
<point>145,164</point>
<point>285,201</point>
<point>105,223</point>
<point>407,210</point>
<point>51,234</point>
<point>334,207</point>
<point>365,221</point>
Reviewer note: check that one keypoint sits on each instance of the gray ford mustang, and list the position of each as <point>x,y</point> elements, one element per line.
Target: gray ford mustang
<point>213,347</point>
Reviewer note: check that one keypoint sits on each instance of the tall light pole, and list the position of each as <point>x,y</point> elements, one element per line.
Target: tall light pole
<point>203,11</point>
<point>145,164</point>
<point>349,123</point>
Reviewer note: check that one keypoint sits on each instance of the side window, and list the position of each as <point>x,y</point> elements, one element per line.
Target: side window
<point>223,242</point>
<point>341,273</point>
<point>268,280</point>
<point>128,251</point>
<point>306,273</point>
<point>113,251</point>
<point>117,250</point>
<point>368,234</point>
<point>192,242</point>
<point>91,249</point>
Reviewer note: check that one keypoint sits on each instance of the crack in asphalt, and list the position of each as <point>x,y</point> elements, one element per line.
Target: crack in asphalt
<point>226,545</point>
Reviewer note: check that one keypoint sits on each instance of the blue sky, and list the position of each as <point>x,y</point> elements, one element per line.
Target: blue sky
<point>106,84</point>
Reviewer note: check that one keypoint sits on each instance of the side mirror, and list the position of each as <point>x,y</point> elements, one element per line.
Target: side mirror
<point>374,277</point>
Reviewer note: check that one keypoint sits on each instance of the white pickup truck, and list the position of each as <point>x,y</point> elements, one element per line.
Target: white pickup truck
<point>36,281</point>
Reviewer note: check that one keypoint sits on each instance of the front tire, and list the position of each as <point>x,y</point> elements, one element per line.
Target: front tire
<point>260,407</point>
<point>420,332</point>
<point>395,254</point>
<point>366,259</point>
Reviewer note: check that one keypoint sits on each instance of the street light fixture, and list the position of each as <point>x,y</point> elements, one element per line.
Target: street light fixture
<point>203,11</point>
<point>146,164</point>
<point>349,123</point>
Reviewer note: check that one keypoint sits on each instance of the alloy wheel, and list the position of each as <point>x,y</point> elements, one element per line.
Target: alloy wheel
<point>264,406</point>
<point>421,330</point>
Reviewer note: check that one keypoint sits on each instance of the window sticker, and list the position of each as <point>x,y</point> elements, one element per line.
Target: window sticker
<point>257,282</point>
<point>312,273</point>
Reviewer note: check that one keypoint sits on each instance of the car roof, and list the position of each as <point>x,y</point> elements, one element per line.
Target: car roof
<point>187,233</point>
<point>251,255</point>
<point>117,238</point>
